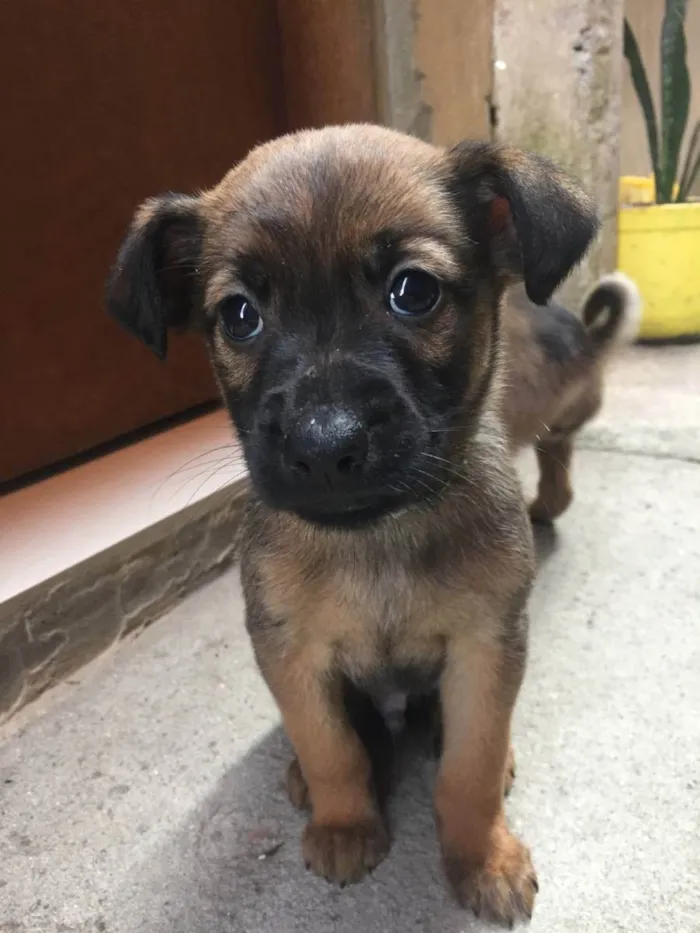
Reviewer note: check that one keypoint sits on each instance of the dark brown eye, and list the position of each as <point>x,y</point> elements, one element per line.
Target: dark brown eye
<point>239,320</point>
<point>413,293</point>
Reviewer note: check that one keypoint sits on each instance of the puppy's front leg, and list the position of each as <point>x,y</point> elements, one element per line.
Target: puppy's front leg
<point>488,867</point>
<point>345,836</point>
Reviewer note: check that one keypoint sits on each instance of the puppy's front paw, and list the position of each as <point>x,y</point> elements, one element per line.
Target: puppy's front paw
<point>502,887</point>
<point>344,854</point>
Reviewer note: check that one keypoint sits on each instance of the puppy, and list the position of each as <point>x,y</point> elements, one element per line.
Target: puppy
<point>347,283</point>
<point>554,365</point>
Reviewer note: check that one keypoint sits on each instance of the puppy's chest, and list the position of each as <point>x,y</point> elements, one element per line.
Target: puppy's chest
<point>388,642</point>
<point>379,625</point>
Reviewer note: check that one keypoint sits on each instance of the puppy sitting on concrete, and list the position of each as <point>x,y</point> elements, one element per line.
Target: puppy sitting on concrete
<point>347,283</point>
<point>553,375</point>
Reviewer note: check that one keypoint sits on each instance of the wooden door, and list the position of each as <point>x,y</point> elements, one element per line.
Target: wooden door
<point>105,104</point>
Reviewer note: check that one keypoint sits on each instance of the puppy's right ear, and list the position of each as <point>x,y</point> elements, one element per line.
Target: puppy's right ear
<point>153,285</point>
<point>537,220</point>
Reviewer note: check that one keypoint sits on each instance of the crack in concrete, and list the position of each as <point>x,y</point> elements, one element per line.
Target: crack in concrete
<point>636,452</point>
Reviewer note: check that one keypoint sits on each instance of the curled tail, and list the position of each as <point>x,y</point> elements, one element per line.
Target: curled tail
<point>612,311</point>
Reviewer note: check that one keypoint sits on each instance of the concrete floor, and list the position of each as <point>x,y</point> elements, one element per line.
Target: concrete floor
<point>146,796</point>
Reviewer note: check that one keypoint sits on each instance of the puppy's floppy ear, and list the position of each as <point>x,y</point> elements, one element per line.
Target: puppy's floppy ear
<point>537,220</point>
<point>153,284</point>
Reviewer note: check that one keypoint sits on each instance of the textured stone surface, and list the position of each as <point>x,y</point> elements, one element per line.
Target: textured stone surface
<point>148,797</point>
<point>557,90</point>
<point>50,632</point>
<point>434,67</point>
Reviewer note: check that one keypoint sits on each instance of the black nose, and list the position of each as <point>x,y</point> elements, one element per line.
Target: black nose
<point>328,445</point>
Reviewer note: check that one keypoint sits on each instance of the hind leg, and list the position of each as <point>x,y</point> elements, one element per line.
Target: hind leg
<point>554,492</point>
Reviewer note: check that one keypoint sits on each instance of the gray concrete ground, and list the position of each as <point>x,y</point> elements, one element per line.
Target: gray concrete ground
<point>146,796</point>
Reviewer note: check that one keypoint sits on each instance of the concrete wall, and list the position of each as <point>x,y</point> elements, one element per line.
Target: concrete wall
<point>557,90</point>
<point>434,59</point>
<point>422,66</point>
<point>645,17</point>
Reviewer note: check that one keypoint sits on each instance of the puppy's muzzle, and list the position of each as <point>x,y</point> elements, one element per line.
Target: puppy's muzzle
<point>327,448</point>
<point>335,449</point>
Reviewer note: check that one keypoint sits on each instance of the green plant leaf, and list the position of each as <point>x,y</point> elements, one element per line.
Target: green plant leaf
<point>675,94</point>
<point>692,161</point>
<point>641,86</point>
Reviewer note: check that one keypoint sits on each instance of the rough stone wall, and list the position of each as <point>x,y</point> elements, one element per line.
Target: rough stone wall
<point>557,91</point>
<point>48,633</point>
<point>434,67</point>
<point>422,66</point>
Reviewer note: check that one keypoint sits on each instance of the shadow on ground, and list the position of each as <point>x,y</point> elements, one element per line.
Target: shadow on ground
<point>236,865</point>
<point>546,542</point>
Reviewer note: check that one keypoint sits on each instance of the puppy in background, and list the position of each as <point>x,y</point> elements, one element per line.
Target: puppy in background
<point>347,283</point>
<point>554,366</point>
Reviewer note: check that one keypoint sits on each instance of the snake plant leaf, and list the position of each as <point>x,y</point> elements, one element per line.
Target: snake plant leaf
<point>641,86</point>
<point>675,95</point>
<point>692,165</point>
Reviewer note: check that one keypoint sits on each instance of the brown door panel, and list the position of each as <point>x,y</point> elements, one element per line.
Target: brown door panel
<point>110,103</point>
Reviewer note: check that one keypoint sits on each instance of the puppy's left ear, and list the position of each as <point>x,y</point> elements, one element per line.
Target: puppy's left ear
<point>536,221</point>
<point>153,285</point>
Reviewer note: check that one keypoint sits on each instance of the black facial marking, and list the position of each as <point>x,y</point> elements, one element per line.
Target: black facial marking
<point>354,396</point>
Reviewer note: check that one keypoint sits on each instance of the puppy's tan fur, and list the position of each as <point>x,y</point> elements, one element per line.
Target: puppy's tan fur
<point>379,598</point>
<point>438,588</point>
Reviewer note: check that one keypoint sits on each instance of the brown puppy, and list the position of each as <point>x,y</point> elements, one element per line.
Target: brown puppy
<point>347,283</point>
<point>553,376</point>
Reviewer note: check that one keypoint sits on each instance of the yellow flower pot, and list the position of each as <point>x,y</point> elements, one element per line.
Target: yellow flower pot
<point>659,247</point>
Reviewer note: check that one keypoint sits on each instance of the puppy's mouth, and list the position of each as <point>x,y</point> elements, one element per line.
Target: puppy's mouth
<point>350,514</point>
<point>388,480</point>
<point>353,509</point>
